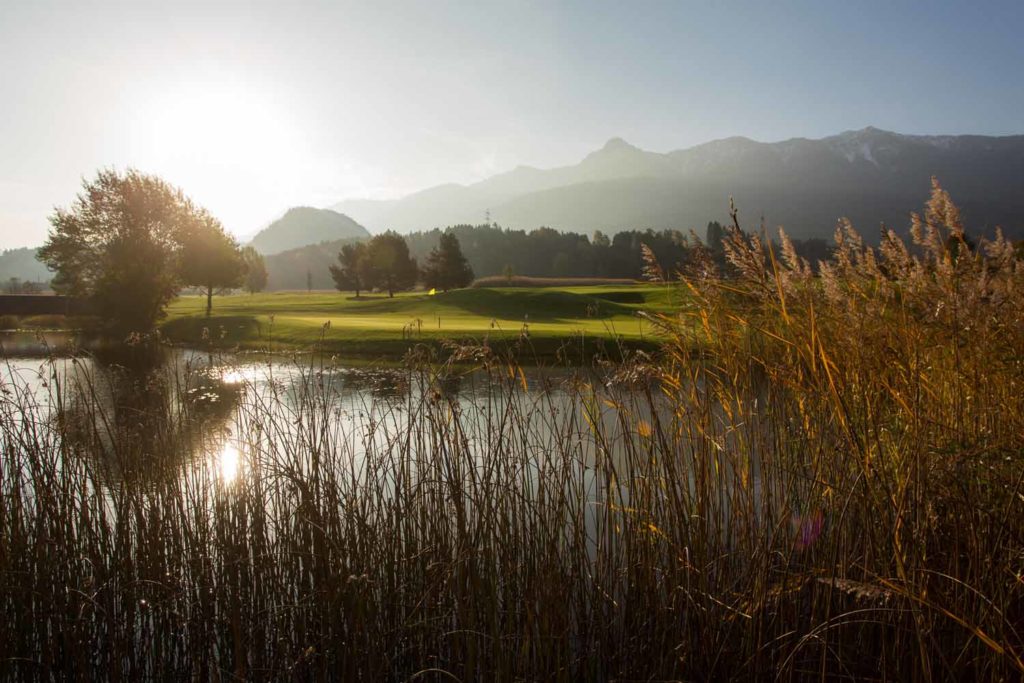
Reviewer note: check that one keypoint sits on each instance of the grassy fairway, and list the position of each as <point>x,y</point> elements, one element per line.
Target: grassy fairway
<point>377,325</point>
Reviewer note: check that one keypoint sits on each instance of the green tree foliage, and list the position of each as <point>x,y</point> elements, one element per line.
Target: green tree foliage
<point>348,272</point>
<point>210,258</point>
<point>387,265</point>
<point>446,268</point>
<point>545,252</point>
<point>118,245</point>
<point>491,251</point>
<point>288,269</point>
<point>255,270</point>
<point>713,239</point>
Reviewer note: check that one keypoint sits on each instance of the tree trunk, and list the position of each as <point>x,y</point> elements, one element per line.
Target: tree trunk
<point>209,300</point>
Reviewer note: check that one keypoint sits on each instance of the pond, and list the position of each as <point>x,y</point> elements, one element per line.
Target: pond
<point>213,417</point>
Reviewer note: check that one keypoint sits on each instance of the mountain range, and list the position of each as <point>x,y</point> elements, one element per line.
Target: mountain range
<point>871,176</point>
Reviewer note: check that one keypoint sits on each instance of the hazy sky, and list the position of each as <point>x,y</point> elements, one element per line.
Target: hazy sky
<point>252,108</point>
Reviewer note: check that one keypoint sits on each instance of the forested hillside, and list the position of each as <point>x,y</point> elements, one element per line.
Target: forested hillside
<point>493,250</point>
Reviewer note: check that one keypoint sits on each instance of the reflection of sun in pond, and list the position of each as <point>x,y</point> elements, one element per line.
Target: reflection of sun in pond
<point>237,375</point>
<point>228,463</point>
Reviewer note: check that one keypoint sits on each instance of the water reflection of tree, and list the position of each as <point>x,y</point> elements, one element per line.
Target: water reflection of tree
<point>448,385</point>
<point>140,413</point>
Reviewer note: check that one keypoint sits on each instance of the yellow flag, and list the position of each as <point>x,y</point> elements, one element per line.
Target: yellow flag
<point>432,292</point>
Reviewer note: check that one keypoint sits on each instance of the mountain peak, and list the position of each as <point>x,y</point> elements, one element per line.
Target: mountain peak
<point>867,131</point>
<point>617,144</point>
<point>302,225</point>
<point>617,158</point>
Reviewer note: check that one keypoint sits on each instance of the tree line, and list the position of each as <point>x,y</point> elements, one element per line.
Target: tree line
<point>487,250</point>
<point>454,254</point>
<point>545,252</point>
<point>15,285</point>
<point>384,263</point>
<point>490,250</point>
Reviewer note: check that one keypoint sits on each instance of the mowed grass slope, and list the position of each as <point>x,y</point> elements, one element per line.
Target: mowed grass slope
<point>376,324</point>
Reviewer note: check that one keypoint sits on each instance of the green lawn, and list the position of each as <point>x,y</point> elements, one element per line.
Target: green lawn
<point>377,325</point>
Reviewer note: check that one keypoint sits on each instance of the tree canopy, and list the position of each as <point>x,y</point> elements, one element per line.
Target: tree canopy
<point>446,268</point>
<point>210,258</point>
<point>128,243</point>
<point>255,270</point>
<point>347,274</point>
<point>713,240</point>
<point>387,264</point>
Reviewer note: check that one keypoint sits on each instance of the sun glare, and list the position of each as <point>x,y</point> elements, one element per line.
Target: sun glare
<point>216,123</point>
<point>239,375</point>
<point>231,142</point>
<point>228,463</point>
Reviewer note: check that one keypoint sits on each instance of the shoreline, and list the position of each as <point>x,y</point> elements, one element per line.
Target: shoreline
<point>568,324</point>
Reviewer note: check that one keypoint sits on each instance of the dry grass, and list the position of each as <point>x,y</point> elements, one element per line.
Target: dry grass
<point>822,480</point>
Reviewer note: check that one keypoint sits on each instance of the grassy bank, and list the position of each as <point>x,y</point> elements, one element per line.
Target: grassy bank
<point>544,319</point>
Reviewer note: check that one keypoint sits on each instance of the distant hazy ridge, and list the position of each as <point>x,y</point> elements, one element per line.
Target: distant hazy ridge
<point>23,265</point>
<point>304,225</point>
<point>869,176</point>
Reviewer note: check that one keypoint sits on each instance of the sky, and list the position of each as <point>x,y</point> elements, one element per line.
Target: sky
<point>251,108</point>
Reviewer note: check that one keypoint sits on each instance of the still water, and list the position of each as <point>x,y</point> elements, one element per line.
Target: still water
<point>197,429</point>
<point>216,417</point>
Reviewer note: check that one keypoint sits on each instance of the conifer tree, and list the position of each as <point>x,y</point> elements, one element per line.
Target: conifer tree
<point>446,268</point>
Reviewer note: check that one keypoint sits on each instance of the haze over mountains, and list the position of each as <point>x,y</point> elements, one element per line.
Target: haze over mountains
<point>302,225</point>
<point>23,265</point>
<point>870,176</point>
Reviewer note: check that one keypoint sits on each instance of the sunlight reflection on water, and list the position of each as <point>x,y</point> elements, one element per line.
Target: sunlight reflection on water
<point>228,463</point>
<point>239,375</point>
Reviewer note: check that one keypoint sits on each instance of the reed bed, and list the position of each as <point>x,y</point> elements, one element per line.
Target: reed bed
<point>820,478</point>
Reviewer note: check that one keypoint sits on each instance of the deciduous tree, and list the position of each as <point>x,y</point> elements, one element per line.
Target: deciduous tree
<point>210,258</point>
<point>388,265</point>
<point>119,246</point>
<point>255,270</point>
<point>348,273</point>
